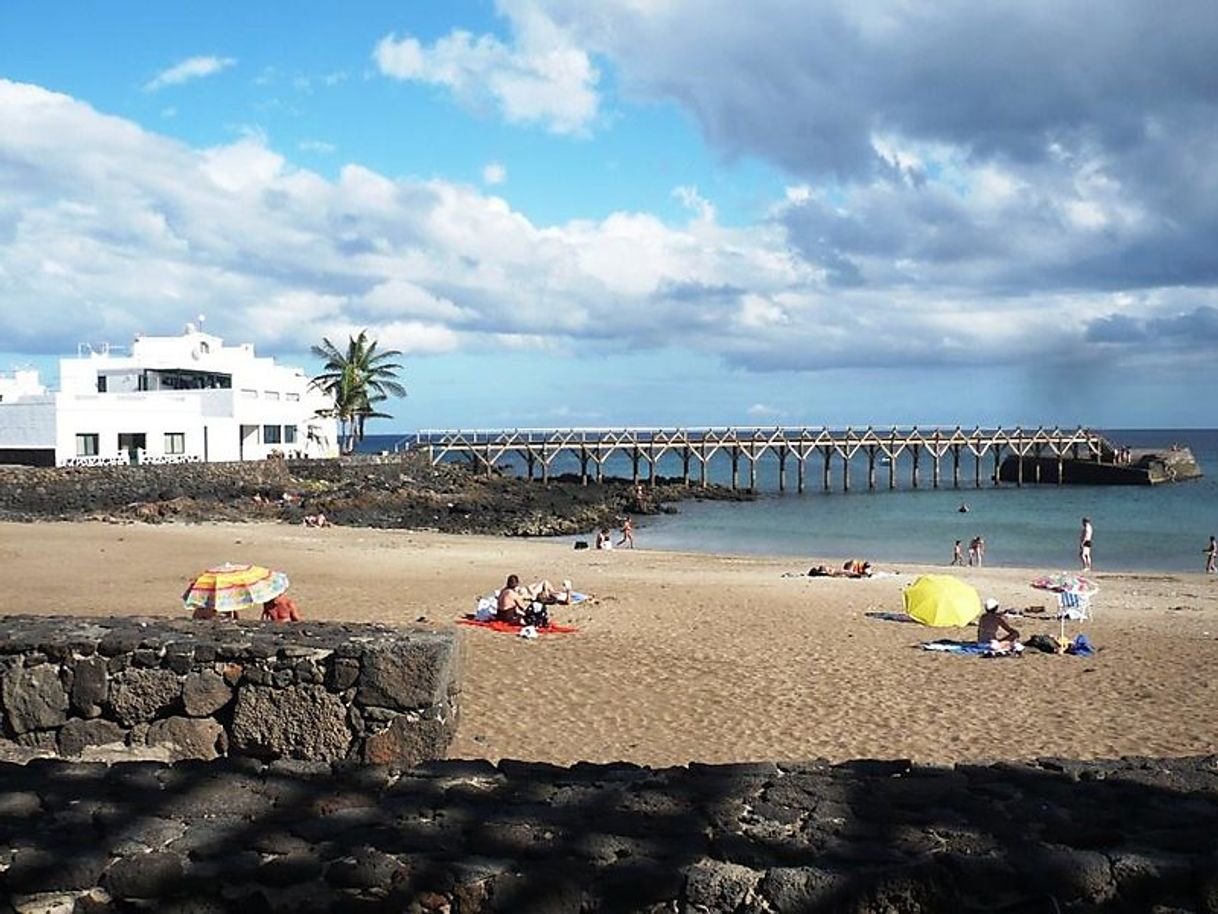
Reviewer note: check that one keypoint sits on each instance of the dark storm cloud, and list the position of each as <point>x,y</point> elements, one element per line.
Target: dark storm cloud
<point>1195,329</point>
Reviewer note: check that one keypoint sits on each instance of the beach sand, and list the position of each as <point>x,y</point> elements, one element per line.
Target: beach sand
<point>687,657</point>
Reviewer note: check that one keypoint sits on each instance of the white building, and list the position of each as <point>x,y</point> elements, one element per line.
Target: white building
<point>171,399</point>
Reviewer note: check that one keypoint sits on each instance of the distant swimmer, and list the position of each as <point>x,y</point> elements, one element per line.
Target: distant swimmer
<point>963,509</point>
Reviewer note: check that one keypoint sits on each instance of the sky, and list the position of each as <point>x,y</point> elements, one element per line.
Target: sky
<point>635,212</point>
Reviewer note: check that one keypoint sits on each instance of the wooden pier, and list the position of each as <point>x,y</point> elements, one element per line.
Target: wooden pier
<point>790,447</point>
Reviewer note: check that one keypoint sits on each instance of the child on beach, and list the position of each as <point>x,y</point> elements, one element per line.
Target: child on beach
<point>957,554</point>
<point>627,533</point>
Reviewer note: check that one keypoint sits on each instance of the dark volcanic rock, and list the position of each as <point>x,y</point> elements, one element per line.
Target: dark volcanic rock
<point>402,491</point>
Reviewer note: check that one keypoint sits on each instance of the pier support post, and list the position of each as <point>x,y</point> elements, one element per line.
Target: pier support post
<point>583,465</point>
<point>634,463</point>
<point>1036,467</point>
<point>917,454</point>
<point>752,459</point>
<point>934,469</point>
<point>845,472</point>
<point>955,466</point>
<point>892,470</point>
<point>800,473</point>
<point>871,466</point>
<point>685,465</point>
<point>531,459</point>
<point>702,458</point>
<point>1060,469</point>
<point>782,469</point>
<point>828,456</point>
<point>600,469</point>
<point>545,466</point>
<point>735,468</point>
<point>997,463</point>
<point>487,461</point>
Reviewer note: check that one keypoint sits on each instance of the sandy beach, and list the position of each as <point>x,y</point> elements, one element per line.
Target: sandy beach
<point>693,657</point>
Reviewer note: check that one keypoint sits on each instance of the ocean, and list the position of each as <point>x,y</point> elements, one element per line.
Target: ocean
<point>1160,528</point>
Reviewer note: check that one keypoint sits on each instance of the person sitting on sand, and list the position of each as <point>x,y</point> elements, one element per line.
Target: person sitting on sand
<point>281,609</point>
<point>603,539</point>
<point>994,622</point>
<point>512,604</point>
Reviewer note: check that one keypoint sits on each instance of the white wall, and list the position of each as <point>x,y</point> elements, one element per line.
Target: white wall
<point>28,423</point>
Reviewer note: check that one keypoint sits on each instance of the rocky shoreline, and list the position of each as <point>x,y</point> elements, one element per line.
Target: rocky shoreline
<point>400,491</point>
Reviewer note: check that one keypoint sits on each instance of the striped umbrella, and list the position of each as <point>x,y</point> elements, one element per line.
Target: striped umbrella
<point>1065,582</point>
<point>228,588</point>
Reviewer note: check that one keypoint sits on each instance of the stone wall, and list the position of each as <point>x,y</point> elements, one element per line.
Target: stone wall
<point>867,837</point>
<point>126,687</point>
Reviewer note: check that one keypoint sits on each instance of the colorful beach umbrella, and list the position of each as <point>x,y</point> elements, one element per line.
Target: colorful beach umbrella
<point>227,589</point>
<point>941,600</point>
<point>1065,582</point>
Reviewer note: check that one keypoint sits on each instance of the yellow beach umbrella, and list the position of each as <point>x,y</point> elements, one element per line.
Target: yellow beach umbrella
<point>941,600</point>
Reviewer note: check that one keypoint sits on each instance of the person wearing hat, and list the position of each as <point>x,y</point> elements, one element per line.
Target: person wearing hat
<point>992,624</point>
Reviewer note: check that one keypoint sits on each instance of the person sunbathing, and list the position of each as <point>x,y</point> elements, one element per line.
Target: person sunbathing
<point>545,592</point>
<point>992,624</point>
<point>857,568</point>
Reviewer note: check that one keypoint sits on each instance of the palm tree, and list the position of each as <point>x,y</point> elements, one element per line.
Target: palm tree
<point>357,380</point>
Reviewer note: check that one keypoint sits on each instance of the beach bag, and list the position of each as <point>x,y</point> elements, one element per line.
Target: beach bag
<point>581,544</point>
<point>486,610</point>
<point>537,615</point>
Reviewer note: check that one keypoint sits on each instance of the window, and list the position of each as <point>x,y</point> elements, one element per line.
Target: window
<point>249,394</point>
<point>101,383</point>
<point>270,395</point>
<point>175,442</point>
<point>86,445</point>
<point>270,434</point>
<point>289,434</point>
<point>293,398</point>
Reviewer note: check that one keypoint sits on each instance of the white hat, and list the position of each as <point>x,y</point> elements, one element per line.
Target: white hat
<point>991,604</point>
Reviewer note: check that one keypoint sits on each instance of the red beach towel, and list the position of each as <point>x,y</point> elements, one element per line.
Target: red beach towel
<point>513,628</point>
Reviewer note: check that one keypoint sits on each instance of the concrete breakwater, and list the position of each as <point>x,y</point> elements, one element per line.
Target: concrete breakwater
<point>129,687</point>
<point>397,491</point>
<point>865,837</point>
<point>1141,467</point>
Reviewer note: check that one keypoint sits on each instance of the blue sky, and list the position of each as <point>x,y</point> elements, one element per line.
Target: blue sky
<point>635,211</point>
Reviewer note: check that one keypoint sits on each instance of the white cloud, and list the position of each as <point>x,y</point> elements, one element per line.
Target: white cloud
<point>539,78</point>
<point>493,173</point>
<point>191,68</point>
<point>106,228</point>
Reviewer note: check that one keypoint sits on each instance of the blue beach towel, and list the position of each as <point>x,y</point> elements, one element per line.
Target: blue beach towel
<point>943,645</point>
<point>1081,647</point>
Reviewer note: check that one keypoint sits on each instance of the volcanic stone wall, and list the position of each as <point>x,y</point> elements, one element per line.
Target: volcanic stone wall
<point>867,837</point>
<point>127,687</point>
<point>72,491</point>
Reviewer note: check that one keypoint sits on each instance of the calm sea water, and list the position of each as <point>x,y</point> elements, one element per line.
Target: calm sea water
<point>1157,528</point>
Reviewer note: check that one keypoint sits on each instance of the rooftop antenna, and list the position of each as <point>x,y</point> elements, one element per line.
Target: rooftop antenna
<point>201,319</point>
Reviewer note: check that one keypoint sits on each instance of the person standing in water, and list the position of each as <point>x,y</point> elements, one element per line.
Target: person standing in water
<point>1084,543</point>
<point>1211,556</point>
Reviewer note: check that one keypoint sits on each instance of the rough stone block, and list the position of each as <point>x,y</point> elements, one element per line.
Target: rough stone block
<point>188,738</point>
<point>90,686</point>
<point>408,675</point>
<point>76,734</point>
<point>406,742</point>
<point>306,723</point>
<point>34,698</point>
<point>143,695</point>
<point>204,693</point>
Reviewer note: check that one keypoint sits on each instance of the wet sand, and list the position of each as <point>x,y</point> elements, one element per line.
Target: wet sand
<point>693,657</point>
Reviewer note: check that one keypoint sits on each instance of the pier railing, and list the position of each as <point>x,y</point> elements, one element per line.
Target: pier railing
<point>539,448</point>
